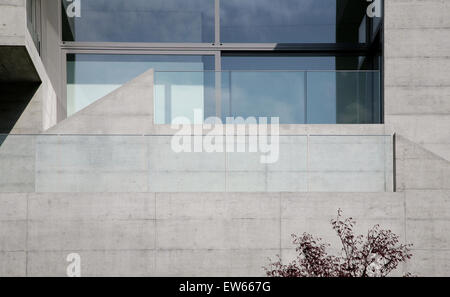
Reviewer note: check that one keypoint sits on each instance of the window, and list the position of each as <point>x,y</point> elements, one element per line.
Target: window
<point>282,21</point>
<point>304,61</point>
<point>185,83</point>
<point>140,21</point>
<point>305,91</point>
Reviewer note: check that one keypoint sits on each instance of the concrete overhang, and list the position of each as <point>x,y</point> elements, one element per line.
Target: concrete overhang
<point>18,54</point>
<point>28,99</point>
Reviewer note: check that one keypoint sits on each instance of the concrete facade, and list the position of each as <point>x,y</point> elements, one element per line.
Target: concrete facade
<point>192,233</point>
<point>417,98</point>
<point>174,234</point>
<point>38,103</point>
<point>99,150</point>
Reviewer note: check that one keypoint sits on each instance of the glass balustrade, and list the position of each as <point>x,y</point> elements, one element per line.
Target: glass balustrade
<point>295,97</point>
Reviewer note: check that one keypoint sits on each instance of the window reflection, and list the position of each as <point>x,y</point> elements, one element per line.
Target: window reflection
<point>303,97</point>
<point>177,92</point>
<point>264,94</point>
<point>241,21</point>
<point>293,21</point>
<point>277,62</point>
<point>141,21</point>
<point>301,89</point>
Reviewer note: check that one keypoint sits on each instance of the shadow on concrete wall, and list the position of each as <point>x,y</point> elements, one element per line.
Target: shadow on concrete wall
<point>14,98</point>
<point>19,81</point>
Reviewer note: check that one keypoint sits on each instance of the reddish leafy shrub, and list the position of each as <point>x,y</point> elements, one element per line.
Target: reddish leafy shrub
<point>375,255</point>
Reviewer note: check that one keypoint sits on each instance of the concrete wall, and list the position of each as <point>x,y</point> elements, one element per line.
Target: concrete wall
<point>133,164</point>
<point>194,234</point>
<point>40,111</point>
<point>46,97</point>
<point>15,98</point>
<point>200,234</point>
<point>51,53</point>
<point>417,97</point>
<point>12,22</point>
<point>127,110</point>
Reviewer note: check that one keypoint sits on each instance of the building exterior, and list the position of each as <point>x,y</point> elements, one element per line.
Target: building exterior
<point>89,90</point>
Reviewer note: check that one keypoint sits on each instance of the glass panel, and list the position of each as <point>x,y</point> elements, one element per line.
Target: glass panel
<point>321,97</point>
<point>292,21</point>
<point>264,94</point>
<point>184,96</point>
<point>91,77</point>
<point>139,21</point>
<point>358,97</point>
<point>343,97</point>
<point>298,62</point>
<point>277,62</point>
<point>295,97</point>
<point>355,95</point>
